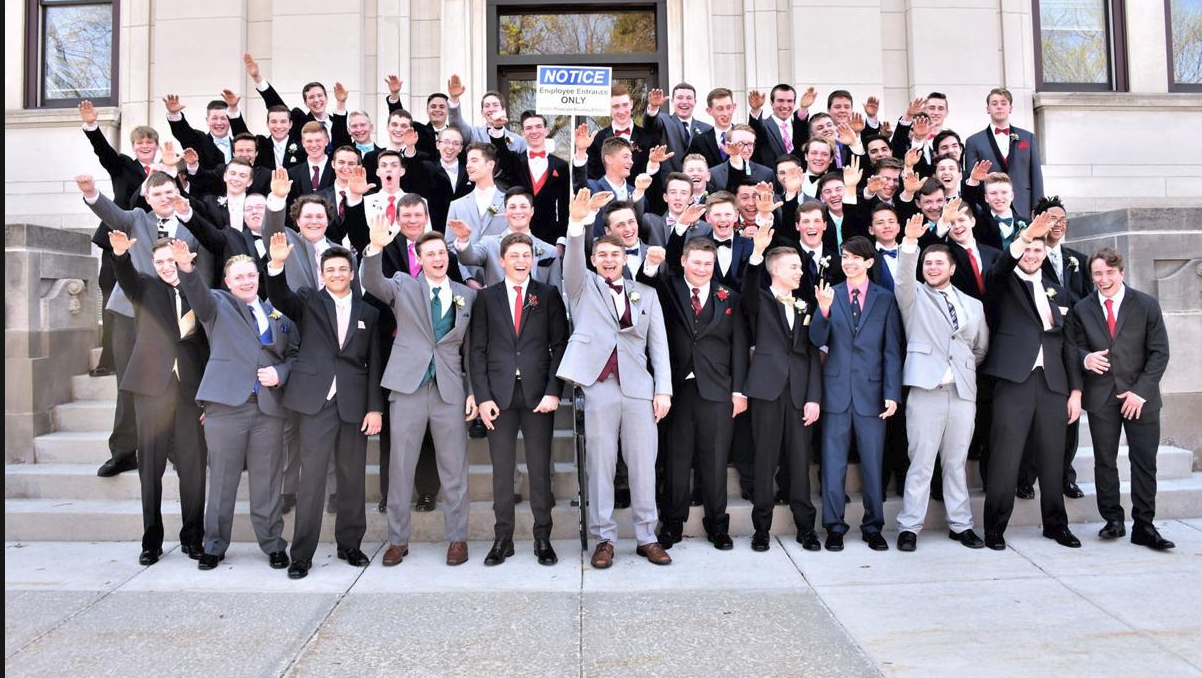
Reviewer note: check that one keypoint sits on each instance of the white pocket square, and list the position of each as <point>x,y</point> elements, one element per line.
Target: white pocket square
<point>1064,310</point>
<point>361,325</point>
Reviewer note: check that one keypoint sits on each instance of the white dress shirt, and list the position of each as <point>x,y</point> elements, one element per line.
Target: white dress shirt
<point>452,171</point>
<point>342,313</point>
<point>1041,302</point>
<point>790,309</point>
<point>260,314</point>
<point>484,198</point>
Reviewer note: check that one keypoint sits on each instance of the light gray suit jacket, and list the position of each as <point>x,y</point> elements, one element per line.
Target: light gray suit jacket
<point>144,227</point>
<point>658,231</point>
<point>597,332</point>
<point>479,134</point>
<point>931,344</point>
<point>300,268</point>
<point>235,351</point>
<point>486,253</point>
<point>492,223</point>
<point>414,345</point>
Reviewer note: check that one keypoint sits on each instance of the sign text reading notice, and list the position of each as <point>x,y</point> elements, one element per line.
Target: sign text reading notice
<point>573,90</point>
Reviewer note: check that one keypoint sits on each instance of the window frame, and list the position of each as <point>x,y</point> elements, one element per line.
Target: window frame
<point>1116,38</point>
<point>1174,86</point>
<point>35,55</point>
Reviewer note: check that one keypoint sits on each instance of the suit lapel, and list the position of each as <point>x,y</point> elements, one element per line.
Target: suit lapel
<point>327,303</point>
<point>683,298</point>
<point>1129,303</point>
<point>997,152</point>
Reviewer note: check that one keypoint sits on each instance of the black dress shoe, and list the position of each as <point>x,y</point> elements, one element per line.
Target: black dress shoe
<point>622,498</point>
<point>722,541</point>
<point>1113,530</point>
<point>809,541</point>
<point>967,538</point>
<point>995,541</point>
<point>544,552</point>
<point>1072,491</point>
<point>907,541</point>
<point>193,551</point>
<point>278,560</point>
<point>298,569</point>
<point>759,541</point>
<point>150,556</point>
<point>425,503</point>
<point>354,557</point>
<point>1025,491</point>
<point>382,506</point>
<point>1063,536</point>
<point>834,541</point>
<point>208,561</point>
<point>669,537</point>
<point>101,372</point>
<point>287,503</point>
<point>1148,536</point>
<point>332,504</point>
<point>112,467</point>
<point>477,430</point>
<point>876,541</point>
<point>501,549</point>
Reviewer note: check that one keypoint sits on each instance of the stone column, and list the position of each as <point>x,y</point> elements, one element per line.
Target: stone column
<point>50,303</point>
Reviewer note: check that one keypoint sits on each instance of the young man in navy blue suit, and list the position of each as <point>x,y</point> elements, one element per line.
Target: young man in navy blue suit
<point>860,327</point>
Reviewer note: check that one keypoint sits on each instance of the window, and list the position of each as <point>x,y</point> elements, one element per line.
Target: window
<point>70,52</point>
<point>1183,32</point>
<point>629,36</point>
<point>1080,45</point>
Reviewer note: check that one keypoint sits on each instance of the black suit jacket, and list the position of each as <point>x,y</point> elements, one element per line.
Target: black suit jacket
<point>293,153</point>
<point>669,131</point>
<point>641,139</point>
<point>126,173</point>
<point>498,354</point>
<point>356,364</point>
<point>1139,351</point>
<point>428,179</point>
<point>1018,332</point>
<point>740,252</point>
<point>302,179</point>
<point>550,220</point>
<point>212,181</point>
<point>157,344</point>
<point>225,242</point>
<point>769,145</point>
<point>707,145</point>
<point>201,142</point>
<point>1077,279</point>
<point>339,136</point>
<point>963,278</point>
<point>713,347</point>
<point>783,357</point>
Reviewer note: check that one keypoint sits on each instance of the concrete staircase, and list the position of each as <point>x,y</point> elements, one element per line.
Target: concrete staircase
<point>60,498</point>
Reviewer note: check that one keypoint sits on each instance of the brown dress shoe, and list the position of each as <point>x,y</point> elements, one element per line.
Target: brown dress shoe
<point>654,553</point>
<point>457,553</point>
<point>603,556</point>
<point>395,554</point>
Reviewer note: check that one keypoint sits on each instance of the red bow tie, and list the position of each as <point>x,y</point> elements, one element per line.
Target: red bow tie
<point>621,132</point>
<point>1001,130</point>
<point>538,154</point>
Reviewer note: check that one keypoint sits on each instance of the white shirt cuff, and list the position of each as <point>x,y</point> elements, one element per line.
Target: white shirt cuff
<point>175,117</point>
<point>262,86</point>
<point>276,203</point>
<point>272,270</point>
<point>91,127</point>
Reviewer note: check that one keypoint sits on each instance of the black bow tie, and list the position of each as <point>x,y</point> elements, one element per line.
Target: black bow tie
<point>632,251</point>
<point>723,243</point>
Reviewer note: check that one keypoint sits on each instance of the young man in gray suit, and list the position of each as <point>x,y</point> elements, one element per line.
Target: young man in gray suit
<point>486,252</point>
<point>946,338</point>
<point>484,208</point>
<point>617,324</point>
<point>251,348</point>
<point>427,374</point>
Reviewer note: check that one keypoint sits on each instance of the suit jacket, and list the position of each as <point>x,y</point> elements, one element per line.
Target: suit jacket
<point>783,357</point>
<point>339,136</point>
<point>1139,351</point>
<point>201,142</point>
<point>1077,280</point>
<point>654,229</point>
<point>265,158</point>
<point>235,351</point>
<point>356,363</point>
<point>492,223</point>
<point>727,178</point>
<point>863,367</point>
<point>428,179</point>
<point>158,348</point>
<point>479,133</point>
<point>706,144</point>
<point>932,343</point>
<point>302,179</point>
<point>486,253</point>
<point>208,182</point>
<point>550,220</point>
<point>670,131</point>
<point>770,145</point>
<point>740,252</point>
<point>963,278</point>
<point>126,173</point>
<point>300,268</point>
<point>598,333</point>
<point>226,242</point>
<point>1018,333</point>
<point>812,268</point>
<point>1022,164</point>
<point>536,350</point>
<point>396,255</point>
<point>640,139</point>
<point>414,345</point>
<point>713,346</point>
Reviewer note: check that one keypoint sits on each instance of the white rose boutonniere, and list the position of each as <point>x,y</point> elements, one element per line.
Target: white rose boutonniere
<point>634,297</point>
<point>1050,292</point>
<point>458,301</point>
<point>800,305</point>
<point>493,210</point>
<point>1072,261</point>
<point>275,315</point>
<point>222,200</point>
<point>292,148</point>
<point>824,262</point>
<point>1013,137</point>
<point>539,252</point>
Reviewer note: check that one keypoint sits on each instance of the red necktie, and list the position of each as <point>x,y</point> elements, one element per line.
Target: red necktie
<point>1110,316</point>
<point>538,154</point>
<point>1001,130</point>
<point>696,302</point>
<point>517,310</point>
<point>976,271</point>
<point>146,168</point>
<point>316,177</point>
<point>390,212</point>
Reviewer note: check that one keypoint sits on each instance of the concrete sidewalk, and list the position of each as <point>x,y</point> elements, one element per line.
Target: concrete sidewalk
<point>1037,609</point>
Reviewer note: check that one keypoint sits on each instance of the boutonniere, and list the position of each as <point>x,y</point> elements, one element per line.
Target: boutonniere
<point>539,252</point>
<point>824,262</point>
<point>722,294</point>
<point>458,301</point>
<point>222,200</point>
<point>493,209</point>
<point>1014,136</point>
<point>1050,292</point>
<point>1074,263</point>
<point>275,315</point>
<point>800,306</point>
<point>532,301</point>
<point>292,148</point>
<point>634,297</point>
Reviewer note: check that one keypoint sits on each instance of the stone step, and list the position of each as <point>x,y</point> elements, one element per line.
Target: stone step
<point>84,387</point>
<point>67,520</point>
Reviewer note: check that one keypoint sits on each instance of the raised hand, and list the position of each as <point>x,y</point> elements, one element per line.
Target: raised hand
<point>87,112</point>
<point>764,204</point>
<point>279,250</point>
<point>761,240</point>
<point>825,295</point>
<point>912,157</point>
<point>911,182</point>
<point>461,229</point>
<point>1039,227</point>
<point>183,256</point>
<point>656,255</point>
<point>172,102</point>
<point>642,182</point>
<point>886,129</point>
<point>580,206</point>
<point>120,242</point>
<point>340,93</point>
<point>733,149</point>
<point>181,205</point>
<point>980,170</point>
<point>660,154</point>
<point>755,100</point>
<point>655,98</point>
<point>357,184</point>
<point>409,138</point>
<point>872,106</point>
<point>951,211</point>
<point>497,118</point>
<point>916,106</point>
<point>381,232</point>
<point>86,184</point>
<point>583,138</point>
<point>231,98</point>
<point>599,200</point>
<point>794,178</point>
<point>252,67</point>
<point>845,134</point>
<point>280,183</point>
<point>915,228</point>
<point>851,173</point>
<point>875,184</point>
<point>807,98</point>
<point>393,82</point>
<point>922,128</point>
<point>169,157</point>
<point>455,88</point>
<point>857,123</point>
<point>191,157</point>
<point>691,214</point>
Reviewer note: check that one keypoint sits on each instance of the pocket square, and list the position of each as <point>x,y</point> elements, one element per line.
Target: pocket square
<point>361,326</point>
<point>1063,310</point>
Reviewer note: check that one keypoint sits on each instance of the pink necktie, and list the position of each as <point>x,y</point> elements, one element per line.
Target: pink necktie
<point>787,135</point>
<point>414,267</point>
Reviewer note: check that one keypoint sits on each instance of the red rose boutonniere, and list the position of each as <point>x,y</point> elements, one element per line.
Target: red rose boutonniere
<point>722,294</point>
<point>532,302</point>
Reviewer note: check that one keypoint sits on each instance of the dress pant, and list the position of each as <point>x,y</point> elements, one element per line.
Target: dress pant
<point>980,435</point>
<point>411,414</point>
<point>742,453</point>
<point>107,281</point>
<point>607,415</point>
<point>537,429</point>
<point>1143,440</point>
<point>699,433</point>
<point>1029,473</point>
<point>324,439</point>
<point>837,434</point>
<point>123,441</point>
<point>425,477</point>
<point>777,424</point>
<point>169,424</point>
<point>240,437</point>
<point>292,457</point>
<point>1019,411</point>
<point>940,426</point>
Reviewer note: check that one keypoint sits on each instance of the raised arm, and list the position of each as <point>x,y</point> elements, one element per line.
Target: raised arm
<point>202,299</point>
<point>281,295</point>
<point>905,283</point>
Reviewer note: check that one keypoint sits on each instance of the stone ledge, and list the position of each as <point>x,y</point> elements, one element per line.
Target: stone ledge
<point>1121,101</point>
<point>42,118</point>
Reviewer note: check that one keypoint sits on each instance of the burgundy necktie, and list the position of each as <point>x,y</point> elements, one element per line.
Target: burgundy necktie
<point>316,177</point>
<point>1110,320</point>
<point>342,205</point>
<point>1001,130</point>
<point>976,272</point>
<point>696,302</point>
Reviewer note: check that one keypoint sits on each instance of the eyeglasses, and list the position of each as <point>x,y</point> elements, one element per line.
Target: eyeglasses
<point>451,144</point>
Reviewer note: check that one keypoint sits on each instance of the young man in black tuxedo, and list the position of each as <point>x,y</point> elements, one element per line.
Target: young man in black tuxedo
<point>621,111</point>
<point>1124,346</point>
<point>519,332</point>
<point>335,387</point>
<point>547,177</point>
<point>215,146</point>
<point>169,355</point>
<point>316,106</point>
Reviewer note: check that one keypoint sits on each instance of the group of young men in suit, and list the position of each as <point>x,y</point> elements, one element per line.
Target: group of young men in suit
<point>795,282</point>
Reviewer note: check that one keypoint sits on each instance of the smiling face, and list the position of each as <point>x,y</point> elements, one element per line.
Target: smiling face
<point>786,271</point>
<point>534,131</point>
<point>722,217</point>
<point>315,144</point>
<point>279,124</point>
<point>618,163</point>
<point>145,149</point>
<point>242,278</point>
<point>889,176</point>
<point>436,111</point>
<point>878,149</point>
<point>1059,226</point>
<point>931,205</point>
<point>698,267</point>
<point>345,162</point>
<point>218,122</point>
<point>840,110</point>
<point>490,106</point>
<point>620,108</point>
<point>745,199</point>
<point>608,261</point>
<point>937,269</point>
<point>398,126</point>
<point>517,262</point>
<point>746,141</point>
<point>678,195</point>
<point>315,99</point>
<point>253,211</point>
<point>161,199</point>
<point>998,196</point>
<point>950,145</point>
<point>435,259</point>
<point>818,158</point>
<point>360,127</point>
<point>450,144</point>
<point>961,230</point>
<point>936,110</point>
<point>783,101</point>
<point>810,227</point>
<point>884,228</point>
<point>854,266</point>
<point>824,126</point>
<point>625,225</point>
<point>518,212</point>
<point>1108,279</point>
<point>412,219</point>
<point>698,173</point>
<point>1033,255</point>
<point>337,274</point>
<point>948,173</point>
<point>247,149</point>
<point>683,102</point>
<point>478,168</point>
<point>832,195</point>
<point>164,265</point>
<point>722,111</point>
<point>312,222</point>
<point>237,178</point>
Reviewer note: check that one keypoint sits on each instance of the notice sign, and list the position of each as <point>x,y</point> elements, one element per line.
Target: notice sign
<point>573,90</point>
